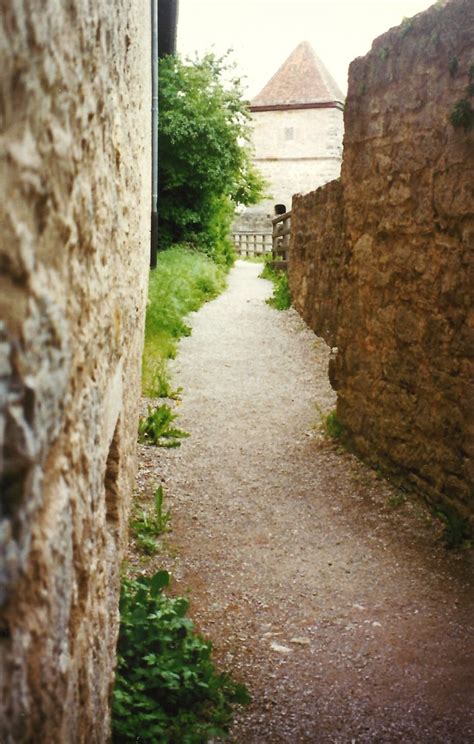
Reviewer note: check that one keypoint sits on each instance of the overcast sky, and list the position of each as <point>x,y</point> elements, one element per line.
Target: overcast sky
<point>263,33</point>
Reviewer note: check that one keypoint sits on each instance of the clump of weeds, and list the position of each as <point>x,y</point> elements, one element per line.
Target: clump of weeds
<point>333,428</point>
<point>157,428</point>
<point>147,527</point>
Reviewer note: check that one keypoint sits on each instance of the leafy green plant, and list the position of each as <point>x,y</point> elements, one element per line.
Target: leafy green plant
<point>205,164</point>
<point>157,429</point>
<point>470,87</point>
<point>281,297</point>
<point>146,544</point>
<point>332,426</point>
<point>453,66</point>
<point>267,271</point>
<point>462,114</point>
<point>457,531</point>
<point>147,528</point>
<point>167,690</point>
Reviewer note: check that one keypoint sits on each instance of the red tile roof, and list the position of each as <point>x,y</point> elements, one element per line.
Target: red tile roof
<point>301,80</point>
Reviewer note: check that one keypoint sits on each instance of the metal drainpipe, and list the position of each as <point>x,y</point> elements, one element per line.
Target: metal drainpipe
<point>154,132</point>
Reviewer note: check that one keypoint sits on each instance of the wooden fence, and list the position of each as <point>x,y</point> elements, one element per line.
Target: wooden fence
<point>250,244</point>
<point>281,241</point>
<point>253,244</point>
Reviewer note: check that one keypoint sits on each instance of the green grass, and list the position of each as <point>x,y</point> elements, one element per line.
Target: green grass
<point>181,283</point>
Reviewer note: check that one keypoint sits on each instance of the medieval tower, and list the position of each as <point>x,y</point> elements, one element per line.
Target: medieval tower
<point>298,131</point>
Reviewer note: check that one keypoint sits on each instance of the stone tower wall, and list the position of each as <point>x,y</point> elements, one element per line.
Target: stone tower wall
<point>296,151</point>
<point>75,133</point>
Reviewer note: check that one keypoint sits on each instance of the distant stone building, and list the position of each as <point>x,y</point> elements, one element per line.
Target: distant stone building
<point>298,131</point>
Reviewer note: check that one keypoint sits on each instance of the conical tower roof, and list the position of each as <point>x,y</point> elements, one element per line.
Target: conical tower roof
<point>301,82</point>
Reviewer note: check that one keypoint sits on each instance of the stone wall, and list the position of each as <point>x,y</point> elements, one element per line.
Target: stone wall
<point>74,158</point>
<point>401,312</point>
<point>318,257</point>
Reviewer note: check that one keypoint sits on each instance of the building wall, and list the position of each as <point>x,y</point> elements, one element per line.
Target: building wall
<point>74,107</point>
<point>296,151</point>
<point>402,311</point>
<point>298,133</point>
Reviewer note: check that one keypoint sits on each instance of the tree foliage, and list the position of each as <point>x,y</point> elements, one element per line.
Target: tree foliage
<point>205,167</point>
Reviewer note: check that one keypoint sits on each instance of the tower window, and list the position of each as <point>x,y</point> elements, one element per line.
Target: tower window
<point>289,133</point>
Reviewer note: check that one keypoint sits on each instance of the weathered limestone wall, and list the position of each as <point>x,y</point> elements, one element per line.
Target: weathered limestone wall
<point>74,154</point>
<point>402,304</point>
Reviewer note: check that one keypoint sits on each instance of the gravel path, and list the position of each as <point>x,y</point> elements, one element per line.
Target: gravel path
<point>322,587</point>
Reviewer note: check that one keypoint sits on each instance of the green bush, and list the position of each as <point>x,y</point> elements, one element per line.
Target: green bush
<point>167,690</point>
<point>205,164</point>
<point>182,281</point>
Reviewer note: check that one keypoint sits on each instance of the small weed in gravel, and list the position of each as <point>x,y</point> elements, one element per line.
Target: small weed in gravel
<point>147,527</point>
<point>156,429</point>
<point>333,426</point>
<point>396,500</point>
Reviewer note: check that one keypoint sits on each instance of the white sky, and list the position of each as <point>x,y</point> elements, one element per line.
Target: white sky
<point>263,33</point>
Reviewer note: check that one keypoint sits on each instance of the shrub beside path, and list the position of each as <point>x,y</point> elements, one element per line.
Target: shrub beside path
<point>324,588</point>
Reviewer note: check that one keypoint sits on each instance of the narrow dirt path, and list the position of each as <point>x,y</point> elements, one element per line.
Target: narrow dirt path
<point>321,586</point>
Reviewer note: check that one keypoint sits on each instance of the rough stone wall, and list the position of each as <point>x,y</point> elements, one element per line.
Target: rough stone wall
<point>74,158</point>
<point>318,257</point>
<point>403,312</point>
